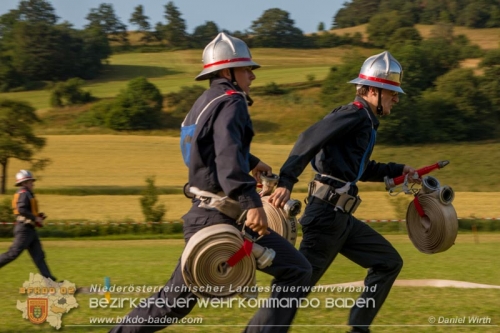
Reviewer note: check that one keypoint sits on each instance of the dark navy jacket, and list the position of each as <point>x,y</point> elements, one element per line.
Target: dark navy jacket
<point>339,145</point>
<point>220,148</point>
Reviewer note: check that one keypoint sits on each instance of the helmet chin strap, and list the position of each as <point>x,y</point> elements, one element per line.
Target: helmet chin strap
<point>380,109</point>
<point>235,83</point>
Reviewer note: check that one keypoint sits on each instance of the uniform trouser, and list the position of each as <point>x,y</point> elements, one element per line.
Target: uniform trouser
<point>327,232</point>
<point>26,237</point>
<point>289,268</point>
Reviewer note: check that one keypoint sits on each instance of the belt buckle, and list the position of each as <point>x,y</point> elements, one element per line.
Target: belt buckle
<point>332,197</point>
<point>355,203</point>
<point>206,200</point>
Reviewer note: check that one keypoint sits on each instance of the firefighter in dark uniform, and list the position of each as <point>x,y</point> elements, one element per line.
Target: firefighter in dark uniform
<point>339,148</point>
<point>25,208</point>
<point>215,140</point>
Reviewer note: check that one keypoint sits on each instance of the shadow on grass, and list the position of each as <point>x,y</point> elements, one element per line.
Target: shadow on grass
<point>128,72</point>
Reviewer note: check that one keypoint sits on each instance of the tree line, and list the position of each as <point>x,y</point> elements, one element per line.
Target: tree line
<point>444,103</point>
<point>467,13</point>
<point>35,47</point>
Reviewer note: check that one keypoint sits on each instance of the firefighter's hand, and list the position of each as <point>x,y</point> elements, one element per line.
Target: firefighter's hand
<point>412,174</point>
<point>257,221</point>
<point>261,168</point>
<point>39,221</point>
<point>279,197</point>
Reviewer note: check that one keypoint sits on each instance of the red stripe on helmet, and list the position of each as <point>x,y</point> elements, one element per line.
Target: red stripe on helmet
<point>227,61</point>
<point>24,178</point>
<point>376,79</point>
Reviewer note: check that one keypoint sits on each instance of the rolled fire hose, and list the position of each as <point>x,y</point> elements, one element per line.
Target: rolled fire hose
<point>206,262</point>
<point>431,219</point>
<point>282,221</point>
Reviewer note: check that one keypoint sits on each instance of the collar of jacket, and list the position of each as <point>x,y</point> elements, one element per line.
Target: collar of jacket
<point>225,82</point>
<point>373,117</point>
<point>24,188</point>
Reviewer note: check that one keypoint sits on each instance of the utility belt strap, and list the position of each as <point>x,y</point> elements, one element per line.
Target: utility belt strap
<point>342,201</point>
<point>218,201</point>
<point>22,219</point>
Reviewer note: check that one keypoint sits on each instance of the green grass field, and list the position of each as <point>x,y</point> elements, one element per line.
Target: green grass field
<point>150,263</point>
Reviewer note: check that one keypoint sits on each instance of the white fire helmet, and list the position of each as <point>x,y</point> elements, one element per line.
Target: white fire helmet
<point>22,176</point>
<point>225,52</point>
<point>382,71</point>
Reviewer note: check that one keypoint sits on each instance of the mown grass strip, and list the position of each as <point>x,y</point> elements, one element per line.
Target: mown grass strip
<point>150,263</point>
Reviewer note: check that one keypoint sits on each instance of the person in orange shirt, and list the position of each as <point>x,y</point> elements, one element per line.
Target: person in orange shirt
<point>25,208</point>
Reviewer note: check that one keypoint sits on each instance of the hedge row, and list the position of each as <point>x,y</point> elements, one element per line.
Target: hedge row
<point>161,230</point>
<point>86,229</point>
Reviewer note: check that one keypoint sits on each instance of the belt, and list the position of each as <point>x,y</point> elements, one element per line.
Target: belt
<point>22,219</point>
<point>342,201</point>
<point>218,201</point>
